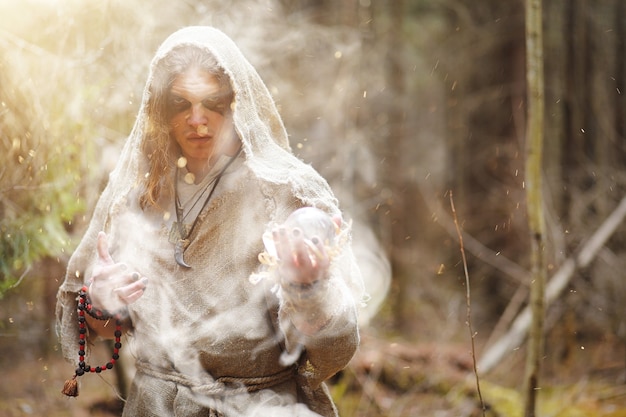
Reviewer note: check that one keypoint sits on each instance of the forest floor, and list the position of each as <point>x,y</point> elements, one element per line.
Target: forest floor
<point>387,378</point>
<point>384,379</point>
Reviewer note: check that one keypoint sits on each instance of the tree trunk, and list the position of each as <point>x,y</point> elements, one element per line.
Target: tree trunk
<point>534,199</point>
<point>400,202</point>
<point>555,102</point>
<point>602,70</point>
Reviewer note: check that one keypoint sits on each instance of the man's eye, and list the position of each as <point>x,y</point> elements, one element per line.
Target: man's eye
<point>215,105</point>
<point>178,104</point>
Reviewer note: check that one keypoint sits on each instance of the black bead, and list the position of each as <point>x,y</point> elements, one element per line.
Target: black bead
<point>82,330</point>
<point>109,365</point>
<point>115,356</point>
<point>98,369</point>
<point>81,319</point>
<point>80,371</point>
<point>118,345</point>
<point>118,333</point>
<point>81,353</point>
<point>81,342</point>
<point>81,365</point>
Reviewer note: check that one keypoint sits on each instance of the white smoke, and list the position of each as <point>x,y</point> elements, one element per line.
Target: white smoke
<point>309,68</point>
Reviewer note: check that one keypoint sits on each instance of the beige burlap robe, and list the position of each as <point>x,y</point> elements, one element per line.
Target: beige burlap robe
<point>207,340</point>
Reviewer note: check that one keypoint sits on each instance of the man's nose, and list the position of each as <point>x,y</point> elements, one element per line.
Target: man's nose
<point>197,115</point>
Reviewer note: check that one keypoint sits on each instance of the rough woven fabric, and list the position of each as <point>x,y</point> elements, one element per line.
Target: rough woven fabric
<point>210,323</point>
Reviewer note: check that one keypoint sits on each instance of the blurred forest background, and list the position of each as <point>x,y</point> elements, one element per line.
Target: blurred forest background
<point>396,103</point>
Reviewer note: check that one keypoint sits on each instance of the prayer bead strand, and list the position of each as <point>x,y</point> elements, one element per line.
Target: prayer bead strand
<point>84,306</point>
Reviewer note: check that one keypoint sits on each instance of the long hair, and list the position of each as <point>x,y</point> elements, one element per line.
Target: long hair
<point>157,144</point>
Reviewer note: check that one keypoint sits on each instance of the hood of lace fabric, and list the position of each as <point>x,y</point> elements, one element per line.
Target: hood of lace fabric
<point>266,154</point>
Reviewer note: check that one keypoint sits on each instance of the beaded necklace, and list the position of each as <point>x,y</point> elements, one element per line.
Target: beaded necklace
<point>70,388</point>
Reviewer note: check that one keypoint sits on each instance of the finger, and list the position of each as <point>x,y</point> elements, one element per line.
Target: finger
<point>102,248</point>
<point>283,247</point>
<point>127,292</point>
<point>337,220</point>
<point>129,278</point>
<point>110,271</point>
<point>133,297</point>
<point>318,252</point>
<point>300,251</point>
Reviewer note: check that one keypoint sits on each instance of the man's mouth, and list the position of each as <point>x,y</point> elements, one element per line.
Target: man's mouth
<point>198,138</point>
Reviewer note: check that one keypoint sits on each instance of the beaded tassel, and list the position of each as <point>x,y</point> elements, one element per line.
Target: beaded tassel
<point>70,388</point>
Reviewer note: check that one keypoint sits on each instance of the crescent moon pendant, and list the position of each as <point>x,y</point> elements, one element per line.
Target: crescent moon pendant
<point>179,251</point>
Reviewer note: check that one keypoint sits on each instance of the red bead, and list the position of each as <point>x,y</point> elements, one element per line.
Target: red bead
<point>85,307</point>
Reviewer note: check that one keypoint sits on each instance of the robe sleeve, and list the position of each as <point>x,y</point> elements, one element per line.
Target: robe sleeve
<point>329,308</point>
<point>320,323</point>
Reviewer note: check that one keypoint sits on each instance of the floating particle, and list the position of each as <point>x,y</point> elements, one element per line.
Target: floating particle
<point>202,130</point>
<point>190,178</point>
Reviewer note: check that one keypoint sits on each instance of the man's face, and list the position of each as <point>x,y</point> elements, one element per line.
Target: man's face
<point>200,121</point>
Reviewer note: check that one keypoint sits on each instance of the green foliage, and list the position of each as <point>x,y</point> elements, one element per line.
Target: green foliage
<point>38,181</point>
<point>70,76</point>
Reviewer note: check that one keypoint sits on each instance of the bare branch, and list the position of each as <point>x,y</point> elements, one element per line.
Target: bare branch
<point>509,268</point>
<point>469,302</point>
<point>588,251</point>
